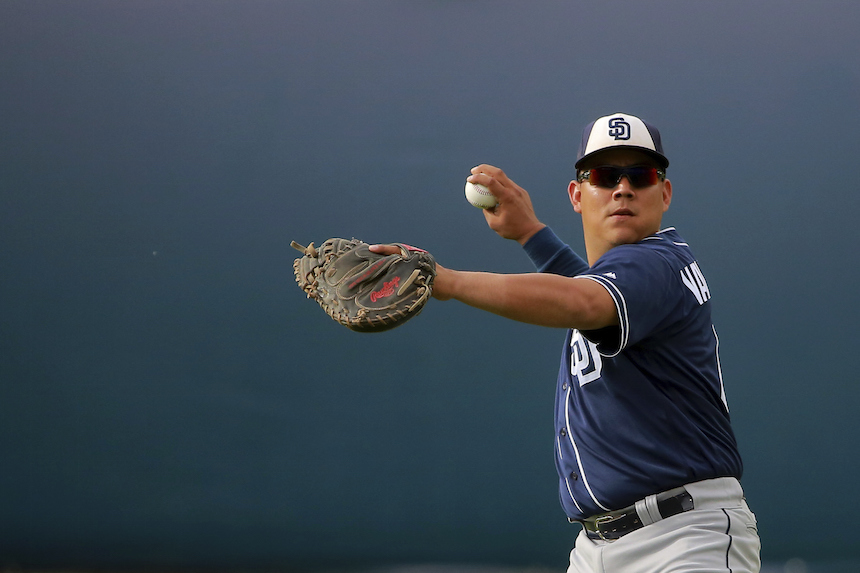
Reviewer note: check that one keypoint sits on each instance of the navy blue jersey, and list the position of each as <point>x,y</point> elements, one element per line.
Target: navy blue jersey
<point>640,407</point>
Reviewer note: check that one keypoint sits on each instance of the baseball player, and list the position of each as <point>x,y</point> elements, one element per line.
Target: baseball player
<point>646,457</point>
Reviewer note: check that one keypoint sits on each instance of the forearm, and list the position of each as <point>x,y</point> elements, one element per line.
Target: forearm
<point>535,298</point>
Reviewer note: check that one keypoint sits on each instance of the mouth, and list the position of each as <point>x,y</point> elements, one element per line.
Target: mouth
<point>621,213</point>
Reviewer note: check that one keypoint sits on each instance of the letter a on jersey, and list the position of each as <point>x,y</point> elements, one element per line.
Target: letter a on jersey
<point>695,281</point>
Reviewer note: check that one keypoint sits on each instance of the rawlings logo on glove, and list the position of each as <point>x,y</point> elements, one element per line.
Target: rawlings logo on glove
<point>363,290</point>
<point>386,290</point>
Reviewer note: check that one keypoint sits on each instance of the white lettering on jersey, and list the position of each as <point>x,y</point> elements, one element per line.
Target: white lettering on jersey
<point>585,361</point>
<point>695,281</point>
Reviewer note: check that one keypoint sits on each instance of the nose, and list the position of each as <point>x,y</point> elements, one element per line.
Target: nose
<point>623,190</point>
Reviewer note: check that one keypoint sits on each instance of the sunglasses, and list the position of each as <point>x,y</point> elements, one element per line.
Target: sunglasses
<point>609,176</point>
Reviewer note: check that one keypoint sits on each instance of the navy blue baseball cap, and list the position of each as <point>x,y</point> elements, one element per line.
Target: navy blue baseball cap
<point>620,130</point>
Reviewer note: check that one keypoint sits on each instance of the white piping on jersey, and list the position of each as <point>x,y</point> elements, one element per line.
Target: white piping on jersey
<point>655,237</point>
<point>566,481</point>
<point>570,493</point>
<point>576,452</point>
<point>720,369</point>
<point>620,309</point>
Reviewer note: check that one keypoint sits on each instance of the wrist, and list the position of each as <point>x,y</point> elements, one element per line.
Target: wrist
<point>534,230</point>
<point>443,284</point>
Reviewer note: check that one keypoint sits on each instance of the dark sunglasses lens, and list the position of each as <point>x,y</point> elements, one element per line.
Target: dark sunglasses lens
<point>605,176</point>
<point>608,176</point>
<point>642,176</point>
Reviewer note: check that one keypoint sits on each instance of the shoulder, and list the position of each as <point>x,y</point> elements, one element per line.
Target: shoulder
<point>663,248</point>
<point>663,262</point>
<point>651,284</point>
<point>650,274</point>
<point>666,247</point>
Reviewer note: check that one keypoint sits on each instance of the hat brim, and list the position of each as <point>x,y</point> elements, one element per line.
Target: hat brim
<point>656,156</point>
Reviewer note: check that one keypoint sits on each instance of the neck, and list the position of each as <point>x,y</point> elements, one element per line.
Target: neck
<point>595,248</point>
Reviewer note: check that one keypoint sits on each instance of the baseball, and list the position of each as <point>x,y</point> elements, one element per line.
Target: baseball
<point>479,196</point>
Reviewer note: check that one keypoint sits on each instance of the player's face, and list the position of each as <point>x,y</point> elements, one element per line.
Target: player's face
<point>622,214</point>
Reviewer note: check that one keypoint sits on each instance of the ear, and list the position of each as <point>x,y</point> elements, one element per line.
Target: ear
<point>575,194</point>
<point>667,194</point>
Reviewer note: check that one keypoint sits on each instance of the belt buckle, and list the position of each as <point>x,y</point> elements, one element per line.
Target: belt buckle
<point>598,521</point>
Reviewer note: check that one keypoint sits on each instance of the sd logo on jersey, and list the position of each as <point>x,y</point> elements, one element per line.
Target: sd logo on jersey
<point>585,361</point>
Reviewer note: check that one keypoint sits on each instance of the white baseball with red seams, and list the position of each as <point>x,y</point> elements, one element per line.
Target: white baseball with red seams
<point>479,196</point>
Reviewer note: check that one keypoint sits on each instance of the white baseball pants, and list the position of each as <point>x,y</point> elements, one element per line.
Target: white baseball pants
<point>718,535</point>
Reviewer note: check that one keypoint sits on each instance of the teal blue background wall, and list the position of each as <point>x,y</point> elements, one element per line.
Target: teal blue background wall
<point>168,397</point>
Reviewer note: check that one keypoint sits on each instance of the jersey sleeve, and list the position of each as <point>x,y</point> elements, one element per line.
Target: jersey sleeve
<point>645,291</point>
<point>551,255</point>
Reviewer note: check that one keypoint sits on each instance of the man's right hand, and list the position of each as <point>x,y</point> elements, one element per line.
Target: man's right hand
<point>514,217</point>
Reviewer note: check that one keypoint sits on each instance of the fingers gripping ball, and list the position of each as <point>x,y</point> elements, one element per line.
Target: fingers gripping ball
<point>363,290</point>
<point>479,196</point>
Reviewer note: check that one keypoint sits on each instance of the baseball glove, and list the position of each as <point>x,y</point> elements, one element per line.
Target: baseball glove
<point>363,290</point>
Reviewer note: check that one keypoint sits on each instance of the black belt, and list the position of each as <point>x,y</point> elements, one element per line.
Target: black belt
<point>618,524</point>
